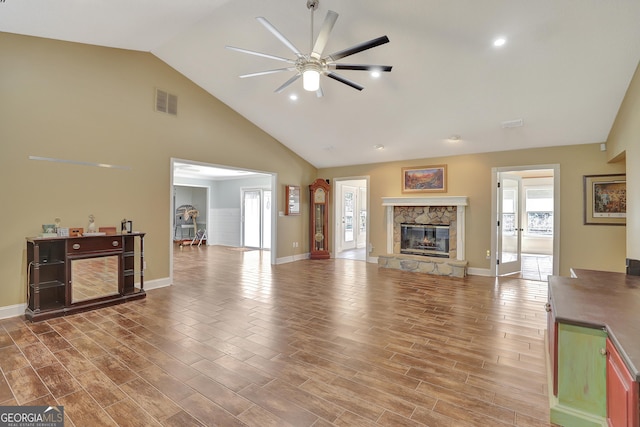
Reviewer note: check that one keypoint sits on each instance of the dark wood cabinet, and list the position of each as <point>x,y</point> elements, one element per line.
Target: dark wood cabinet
<point>67,275</point>
<point>622,391</point>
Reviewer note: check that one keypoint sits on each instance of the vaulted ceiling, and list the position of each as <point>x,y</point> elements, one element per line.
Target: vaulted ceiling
<point>561,74</point>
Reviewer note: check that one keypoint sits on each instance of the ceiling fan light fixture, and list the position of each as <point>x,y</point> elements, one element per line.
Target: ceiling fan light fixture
<point>311,77</point>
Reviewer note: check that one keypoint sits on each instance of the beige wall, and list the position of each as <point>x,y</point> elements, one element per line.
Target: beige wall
<point>93,104</point>
<point>583,246</point>
<point>624,142</point>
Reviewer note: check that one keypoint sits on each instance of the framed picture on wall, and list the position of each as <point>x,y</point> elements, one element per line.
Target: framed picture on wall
<point>605,199</point>
<point>424,179</point>
<point>292,200</point>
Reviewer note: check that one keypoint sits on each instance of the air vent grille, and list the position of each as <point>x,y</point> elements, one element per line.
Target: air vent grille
<point>166,102</point>
<point>512,124</point>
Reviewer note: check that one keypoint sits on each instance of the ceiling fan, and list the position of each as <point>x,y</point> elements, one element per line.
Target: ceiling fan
<point>310,66</point>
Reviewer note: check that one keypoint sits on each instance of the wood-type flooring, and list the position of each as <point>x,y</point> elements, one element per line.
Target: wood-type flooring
<point>236,341</point>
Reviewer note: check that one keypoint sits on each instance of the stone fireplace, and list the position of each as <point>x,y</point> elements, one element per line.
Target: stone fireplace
<point>433,227</point>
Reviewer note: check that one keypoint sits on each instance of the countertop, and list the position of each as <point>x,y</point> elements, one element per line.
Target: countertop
<point>603,300</point>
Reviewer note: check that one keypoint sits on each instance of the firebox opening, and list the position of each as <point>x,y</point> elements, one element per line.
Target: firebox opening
<point>424,239</point>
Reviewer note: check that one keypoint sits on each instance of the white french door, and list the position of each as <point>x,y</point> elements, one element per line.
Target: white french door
<point>266,219</point>
<point>349,219</point>
<point>509,224</point>
<point>256,218</point>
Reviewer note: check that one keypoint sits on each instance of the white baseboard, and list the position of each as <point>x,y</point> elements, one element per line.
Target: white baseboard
<point>287,259</point>
<point>12,310</point>
<point>157,283</point>
<point>479,272</point>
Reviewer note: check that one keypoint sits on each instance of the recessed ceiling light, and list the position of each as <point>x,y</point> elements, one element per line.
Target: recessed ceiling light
<point>454,138</point>
<point>500,41</point>
<point>293,97</point>
<point>379,147</point>
<point>375,74</point>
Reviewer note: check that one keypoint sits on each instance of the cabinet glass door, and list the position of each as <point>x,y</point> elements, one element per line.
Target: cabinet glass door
<point>319,231</point>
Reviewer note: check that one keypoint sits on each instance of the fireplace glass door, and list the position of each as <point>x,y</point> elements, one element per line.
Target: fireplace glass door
<point>424,239</point>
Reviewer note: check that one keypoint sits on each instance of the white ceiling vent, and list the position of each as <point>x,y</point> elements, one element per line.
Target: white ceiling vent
<point>166,102</point>
<point>512,124</point>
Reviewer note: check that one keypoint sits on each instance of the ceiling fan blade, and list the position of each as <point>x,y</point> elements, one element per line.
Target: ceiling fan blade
<point>358,48</point>
<point>262,73</point>
<point>356,67</point>
<point>279,35</point>
<point>323,36</point>
<point>287,83</point>
<point>264,55</point>
<point>345,81</point>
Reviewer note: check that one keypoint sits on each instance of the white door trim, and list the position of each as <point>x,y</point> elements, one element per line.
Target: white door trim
<point>556,211</point>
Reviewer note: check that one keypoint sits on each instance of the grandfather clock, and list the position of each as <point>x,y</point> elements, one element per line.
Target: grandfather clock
<point>319,221</point>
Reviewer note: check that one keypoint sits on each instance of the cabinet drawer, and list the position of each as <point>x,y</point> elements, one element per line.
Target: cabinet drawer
<point>94,244</point>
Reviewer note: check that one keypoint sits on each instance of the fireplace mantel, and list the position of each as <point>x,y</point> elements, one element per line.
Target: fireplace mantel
<point>426,201</point>
<point>459,201</point>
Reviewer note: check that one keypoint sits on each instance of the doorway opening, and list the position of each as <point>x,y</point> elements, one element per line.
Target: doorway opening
<point>228,219</point>
<point>525,207</point>
<point>350,218</point>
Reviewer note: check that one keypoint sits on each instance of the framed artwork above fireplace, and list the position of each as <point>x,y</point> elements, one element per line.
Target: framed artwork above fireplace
<point>424,179</point>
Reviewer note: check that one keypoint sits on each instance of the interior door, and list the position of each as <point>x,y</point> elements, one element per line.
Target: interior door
<point>251,218</point>
<point>361,222</point>
<point>348,217</point>
<point>509,225</point>
<point>266,219</point>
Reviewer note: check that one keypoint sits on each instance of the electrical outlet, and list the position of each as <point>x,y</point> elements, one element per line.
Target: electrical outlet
<point>488,254</point>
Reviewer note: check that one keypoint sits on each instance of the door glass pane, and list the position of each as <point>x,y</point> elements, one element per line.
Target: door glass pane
<point>348,216</point>
<point>252,219</point>
<point>509,221</point>
<point>266,220</point>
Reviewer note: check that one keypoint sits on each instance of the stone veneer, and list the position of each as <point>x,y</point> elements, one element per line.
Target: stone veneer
<point>433,215</point>
<point>424,264</point>
<point>426,211</point>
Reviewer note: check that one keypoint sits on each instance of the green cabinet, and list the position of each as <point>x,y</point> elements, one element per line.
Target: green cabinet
<point>581,377</point>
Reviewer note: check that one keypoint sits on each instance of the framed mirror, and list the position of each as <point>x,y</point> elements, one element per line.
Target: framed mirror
<point>93,278</point>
